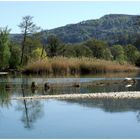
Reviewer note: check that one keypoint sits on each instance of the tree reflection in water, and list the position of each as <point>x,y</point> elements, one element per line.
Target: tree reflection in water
<point>32,110</point>
<point>111,105</point>
<point>5,96</point>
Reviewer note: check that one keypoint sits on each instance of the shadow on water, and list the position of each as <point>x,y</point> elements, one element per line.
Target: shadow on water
<point>108,87</point>
<point>110,105</point>
<point>32,110</point>
<point>5,96</point>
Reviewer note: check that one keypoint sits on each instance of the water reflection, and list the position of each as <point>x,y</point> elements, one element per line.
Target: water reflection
<point>5,95</point>
<point>32,110</point>
<point>18,83</point>
<point>110,105</point>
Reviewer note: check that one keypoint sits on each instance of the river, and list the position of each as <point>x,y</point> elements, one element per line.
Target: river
<point>73,118</point>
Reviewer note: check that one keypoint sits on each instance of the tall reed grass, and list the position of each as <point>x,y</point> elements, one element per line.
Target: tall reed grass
<point>84,65</point>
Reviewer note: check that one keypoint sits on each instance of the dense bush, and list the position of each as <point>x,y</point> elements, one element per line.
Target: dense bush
<point>131,53</point>
<point>99,49</point>
<point>118,53</point>
<point>15,56</point>
<point>4,48</point>
<point>38,53</point>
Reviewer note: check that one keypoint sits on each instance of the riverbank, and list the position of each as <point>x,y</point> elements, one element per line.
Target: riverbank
<point>72,66</point>
<point>112,95</point>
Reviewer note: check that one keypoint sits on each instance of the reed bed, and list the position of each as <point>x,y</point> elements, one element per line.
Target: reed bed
<point>72,66</point>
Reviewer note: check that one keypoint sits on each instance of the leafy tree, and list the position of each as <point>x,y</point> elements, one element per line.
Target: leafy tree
<point>37,53</point>
<point>99,48</point>
<point>118,53</point>
<point>82,50</point>
<point>4,48</point>
<point>33,42</point>
<point>77,50</point>
<point>66,50</point>
<point>15,55</point>
<point>132,53</point>
<point>53,45</point>
<point>137,43</point>
<point>138,62</point>
<point>27,28</point>
<point>107,54</point>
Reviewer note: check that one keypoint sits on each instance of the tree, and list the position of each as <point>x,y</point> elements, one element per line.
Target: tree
<point>66,50</point>
<point>14,58</point>
<point>37,53</point>
<point>99,48</point>
<point>27,28</point>
<point>33,42</point>
<point>132,53</point>
<point>4,48</point>
<point>138,62</point>
<point>118,53</point>
<point>53,45</point>
<point>107,54</point>
<point>82,50</point>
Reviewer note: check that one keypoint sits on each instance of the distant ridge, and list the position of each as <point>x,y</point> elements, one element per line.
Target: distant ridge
<point>113,28</point>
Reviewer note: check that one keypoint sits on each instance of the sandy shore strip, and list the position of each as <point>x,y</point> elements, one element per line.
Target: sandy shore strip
<point>113,95</point>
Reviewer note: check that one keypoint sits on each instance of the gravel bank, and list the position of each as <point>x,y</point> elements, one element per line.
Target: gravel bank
<point>113,95</point>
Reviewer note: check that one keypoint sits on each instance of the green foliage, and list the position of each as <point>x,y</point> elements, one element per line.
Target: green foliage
<point>4,48</point>
<point>15,55</point>
<point>32,43</point>
<point>53,45</point>
<point>27,28</point>
<point>108,54</point>
<point>138,62</point>
<point>82,50</point>
<point>113,28</point>
<point>118,53</point>
<point>132,53</point>
<point>137,43</point>
<point>78,50</point>
<point>99,49</point>
<point>66,50</point>
<point>38,53</point>
<point>110,29</point>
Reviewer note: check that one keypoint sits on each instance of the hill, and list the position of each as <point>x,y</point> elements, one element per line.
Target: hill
<point>113,28</point>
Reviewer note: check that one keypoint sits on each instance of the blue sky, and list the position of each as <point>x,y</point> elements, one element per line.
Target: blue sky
<point>53,14</point>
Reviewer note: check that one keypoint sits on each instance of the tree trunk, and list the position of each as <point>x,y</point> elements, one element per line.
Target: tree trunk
<point>23,45</point>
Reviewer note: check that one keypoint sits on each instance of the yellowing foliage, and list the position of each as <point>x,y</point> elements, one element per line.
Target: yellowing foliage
<point>38,53</point>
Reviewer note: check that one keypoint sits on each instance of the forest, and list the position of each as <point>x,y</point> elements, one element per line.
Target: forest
<point>32,54</point>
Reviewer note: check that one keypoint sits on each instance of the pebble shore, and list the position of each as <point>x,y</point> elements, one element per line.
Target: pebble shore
<point>113,95</point>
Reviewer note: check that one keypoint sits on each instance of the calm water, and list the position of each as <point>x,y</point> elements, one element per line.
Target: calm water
<point>96,118</point>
